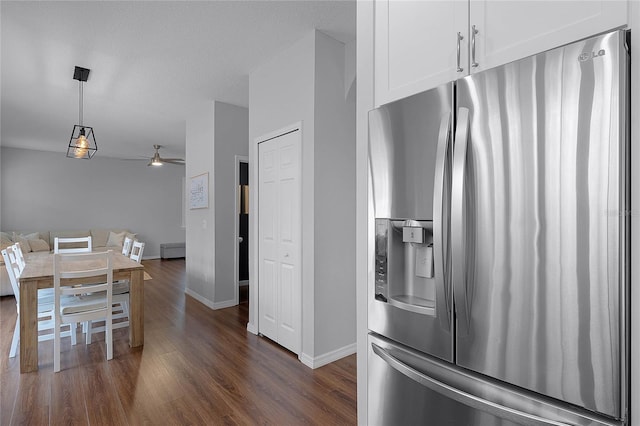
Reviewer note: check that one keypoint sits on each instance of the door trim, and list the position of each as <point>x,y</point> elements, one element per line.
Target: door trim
<point>236,225</point>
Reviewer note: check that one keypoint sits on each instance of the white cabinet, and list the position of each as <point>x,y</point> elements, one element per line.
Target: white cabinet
<point>416,42</point>
<point>415,45</point>
<point>510,30</point>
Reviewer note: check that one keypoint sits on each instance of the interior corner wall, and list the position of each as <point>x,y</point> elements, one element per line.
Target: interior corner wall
<point>43,190</point>
<point>335,205</point>
<point>200,229</point>
<point>281,94</point>
<point>231,138</point>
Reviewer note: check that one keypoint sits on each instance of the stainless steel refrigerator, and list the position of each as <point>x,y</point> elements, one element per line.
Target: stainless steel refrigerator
<point>500,291</point>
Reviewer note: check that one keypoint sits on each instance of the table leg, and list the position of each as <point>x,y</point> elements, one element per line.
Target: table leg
<point>136,309</point>
<point>28,327</point>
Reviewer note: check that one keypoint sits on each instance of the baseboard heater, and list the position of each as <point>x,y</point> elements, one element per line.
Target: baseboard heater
<point>172,250</point>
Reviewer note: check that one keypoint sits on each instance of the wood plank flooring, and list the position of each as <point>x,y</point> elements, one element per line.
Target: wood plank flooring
<point>197,367</point>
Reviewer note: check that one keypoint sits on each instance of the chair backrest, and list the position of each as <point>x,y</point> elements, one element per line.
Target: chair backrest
<point>80,245</point>
<point>17,251</point>
<point>136,251</point>
<point>82,266</point>
<point>13,271</point>
<point>126,246</point>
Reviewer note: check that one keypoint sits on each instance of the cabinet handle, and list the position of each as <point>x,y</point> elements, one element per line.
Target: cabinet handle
<point>460,38</point>
<point>474,31</point>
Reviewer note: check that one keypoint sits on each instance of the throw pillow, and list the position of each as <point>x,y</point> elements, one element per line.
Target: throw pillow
<point>39,245</point>
<point>24,240</point>
<point>116,240</point>
<point>5,238</point>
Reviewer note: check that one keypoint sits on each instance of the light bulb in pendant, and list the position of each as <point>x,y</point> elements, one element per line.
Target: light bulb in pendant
<point>82,145</point>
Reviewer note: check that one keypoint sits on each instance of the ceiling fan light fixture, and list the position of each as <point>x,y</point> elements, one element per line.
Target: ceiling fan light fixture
<point>155,160</point>
<point>83,142</point>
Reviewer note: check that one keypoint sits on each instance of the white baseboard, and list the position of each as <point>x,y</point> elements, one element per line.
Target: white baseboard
<point>208,303</point>
<point>225,304</point>
<point>251,328</point>
<point>327,358</point>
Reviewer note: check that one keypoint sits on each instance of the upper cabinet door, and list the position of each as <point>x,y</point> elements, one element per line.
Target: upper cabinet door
<point>510,30</point>
<point>416,46</point>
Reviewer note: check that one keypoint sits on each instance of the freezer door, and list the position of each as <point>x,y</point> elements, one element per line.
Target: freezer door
<point>406,387</point>
<point>410,298</point>
<point>539,202</point>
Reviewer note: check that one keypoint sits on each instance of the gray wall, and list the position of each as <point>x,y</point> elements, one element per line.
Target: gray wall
<point>306,83</point>
<point>200,222</point>
<point>335,205</point>
<point>231,139</point>
<point>216,133</point>
<point>47,191</point>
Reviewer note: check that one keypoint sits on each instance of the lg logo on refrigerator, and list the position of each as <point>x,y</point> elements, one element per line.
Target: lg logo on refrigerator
<point>588,56</point>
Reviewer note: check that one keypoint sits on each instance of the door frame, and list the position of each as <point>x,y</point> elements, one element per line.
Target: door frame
<point>254,191</point>
<point>236,226</point>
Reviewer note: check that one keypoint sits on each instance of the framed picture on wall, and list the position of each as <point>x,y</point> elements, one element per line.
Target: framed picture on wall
<point>199,191</point>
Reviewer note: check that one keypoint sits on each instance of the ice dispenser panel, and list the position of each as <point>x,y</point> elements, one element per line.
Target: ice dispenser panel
<point>404,264</point>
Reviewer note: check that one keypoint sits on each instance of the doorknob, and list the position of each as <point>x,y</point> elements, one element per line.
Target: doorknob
<point>240,239</point>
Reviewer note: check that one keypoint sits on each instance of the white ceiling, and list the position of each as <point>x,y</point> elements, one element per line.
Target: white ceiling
<point>151,62</point>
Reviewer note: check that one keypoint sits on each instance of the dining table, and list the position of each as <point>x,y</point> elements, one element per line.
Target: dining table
<point>38,274</point>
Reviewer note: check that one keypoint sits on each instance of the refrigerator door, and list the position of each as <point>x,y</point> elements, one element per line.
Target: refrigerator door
<point>410,388</point>
<point>539,205</point>
<point>410,300</point>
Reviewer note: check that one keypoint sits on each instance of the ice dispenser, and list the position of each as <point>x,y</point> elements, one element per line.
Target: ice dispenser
<point>404,264</point>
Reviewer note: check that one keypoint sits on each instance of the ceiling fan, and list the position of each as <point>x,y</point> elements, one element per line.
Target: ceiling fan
<point>156,160</point>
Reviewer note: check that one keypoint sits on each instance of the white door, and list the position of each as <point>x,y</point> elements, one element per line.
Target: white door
<point>279,248</point>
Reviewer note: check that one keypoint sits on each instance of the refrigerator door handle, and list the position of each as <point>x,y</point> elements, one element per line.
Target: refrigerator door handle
<point>458,223</point>
<point>460,396</point>
<point>440,223</point>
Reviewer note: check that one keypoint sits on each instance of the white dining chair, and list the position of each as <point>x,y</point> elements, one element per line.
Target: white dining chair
<point>79,245</point>
<point>90,302</point>
<point>120,299</point>
<point>45,306</point>
<point>17,251</point>
<point>126,246</point>
<point>136,251</point>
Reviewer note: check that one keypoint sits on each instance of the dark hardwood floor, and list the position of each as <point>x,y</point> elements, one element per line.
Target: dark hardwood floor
<point>198,366</point>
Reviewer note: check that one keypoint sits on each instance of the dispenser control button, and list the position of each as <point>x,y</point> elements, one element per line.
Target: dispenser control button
<point>411,234</point>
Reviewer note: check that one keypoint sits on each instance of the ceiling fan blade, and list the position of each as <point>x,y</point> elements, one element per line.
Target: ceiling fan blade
<point>171,159</point>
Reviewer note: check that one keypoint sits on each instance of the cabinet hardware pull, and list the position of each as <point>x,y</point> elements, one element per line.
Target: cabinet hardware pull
<point>474,31</point>
<point>460,38</point>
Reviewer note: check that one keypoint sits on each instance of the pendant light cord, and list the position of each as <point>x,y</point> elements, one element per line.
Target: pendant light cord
<point>81,96</point>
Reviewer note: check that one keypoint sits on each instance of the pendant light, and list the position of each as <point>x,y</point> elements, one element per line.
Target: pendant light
<point>83,141</point>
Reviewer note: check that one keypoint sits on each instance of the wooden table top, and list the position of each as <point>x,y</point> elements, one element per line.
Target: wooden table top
<point>39,265</point>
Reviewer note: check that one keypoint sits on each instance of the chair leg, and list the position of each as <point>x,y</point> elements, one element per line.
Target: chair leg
<point>16,338</point>
<point>109,335</point>
<point>72,331</point>
<point>87,329</point>
<point>56,346</point>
